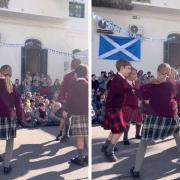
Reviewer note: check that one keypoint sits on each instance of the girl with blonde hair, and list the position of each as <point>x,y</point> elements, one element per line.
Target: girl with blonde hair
<point>161,119</point>
<point>10,113</point>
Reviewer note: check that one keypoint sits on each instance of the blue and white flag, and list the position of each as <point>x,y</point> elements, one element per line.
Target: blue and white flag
<point>116,47</point>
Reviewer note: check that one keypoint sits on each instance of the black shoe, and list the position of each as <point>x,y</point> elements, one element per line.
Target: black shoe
<point>126,142</point>
<point>104,148</point>
<point>116,149</point>
<point>111,157</point>
<point>7,170</point>
<point>133,173</point>
<point>64,139</point>
<point>85,159</point>
<point>77,161</point>
<point>58,137</point>
<point>1,159</point>
<point>138,137</point>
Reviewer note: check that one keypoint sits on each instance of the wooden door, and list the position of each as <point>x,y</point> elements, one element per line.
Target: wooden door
<point>33,60</point>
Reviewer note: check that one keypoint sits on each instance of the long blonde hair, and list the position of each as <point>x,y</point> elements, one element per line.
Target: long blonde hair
<point>6,72</point>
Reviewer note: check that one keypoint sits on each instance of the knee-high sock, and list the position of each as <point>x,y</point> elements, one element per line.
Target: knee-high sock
<point>126,132</point>
<point>9,152</point>
<point>67,125</point>
<point>138,128</point>
<point>140,155</point>
<point>177,139</point>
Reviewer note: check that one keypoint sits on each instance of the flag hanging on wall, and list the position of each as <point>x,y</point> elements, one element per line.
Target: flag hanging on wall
<point>115,47</point>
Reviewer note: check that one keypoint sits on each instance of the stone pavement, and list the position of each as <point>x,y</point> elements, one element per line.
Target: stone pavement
<point>162,159</point>
<point>37,157</point>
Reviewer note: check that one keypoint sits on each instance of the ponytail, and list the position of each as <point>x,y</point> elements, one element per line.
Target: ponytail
<point>6,72</point>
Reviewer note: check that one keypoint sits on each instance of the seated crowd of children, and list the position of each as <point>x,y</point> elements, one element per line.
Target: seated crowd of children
<point>39,100</point>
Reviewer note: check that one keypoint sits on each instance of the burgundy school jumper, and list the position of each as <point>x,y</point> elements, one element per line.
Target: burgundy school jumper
<point>77,106</point>
<point>9,103</point>
<point>115,98</point>
<point>66,87</point>
<point>78,99</point>
<point>130,107</point>
<point>162,98</point>
<point>161,120</point>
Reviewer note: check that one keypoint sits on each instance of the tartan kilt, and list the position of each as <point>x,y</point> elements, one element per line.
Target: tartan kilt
<point>7,128</point>
<point>79,125</point>
<point>155,127</point>
<point>114,121</point>
<point>132,114</point>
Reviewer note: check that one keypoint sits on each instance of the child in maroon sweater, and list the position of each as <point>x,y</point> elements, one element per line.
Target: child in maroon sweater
<point>77,107</point>
<point>113,114</point>
<point>130,109</point>
<point>10,102</point>
<point>161,120</point>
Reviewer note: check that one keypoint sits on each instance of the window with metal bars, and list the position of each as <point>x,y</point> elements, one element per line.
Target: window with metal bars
<point>4,3</point>
<point>76,9</point>
<point>144,1</point>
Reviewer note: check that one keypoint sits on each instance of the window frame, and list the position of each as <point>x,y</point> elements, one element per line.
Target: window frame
<point>74,14</point>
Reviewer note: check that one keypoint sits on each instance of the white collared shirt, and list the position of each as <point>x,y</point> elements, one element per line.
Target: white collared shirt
<point>131,82</point>
<point>81,79</point>
<point>121,75</point>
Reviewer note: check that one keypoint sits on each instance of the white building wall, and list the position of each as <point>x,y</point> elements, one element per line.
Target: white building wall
<point>64,36</point>
<point>166,3</point>
<point>155,26</point>
<point>55,8</point>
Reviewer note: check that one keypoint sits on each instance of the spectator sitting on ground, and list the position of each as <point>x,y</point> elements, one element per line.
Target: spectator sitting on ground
<point>41,115</point>
<point>28,86</point>
<point>36,77</point>
<point>54,115</point>
<point>35,86</point>
<point>28,120</point>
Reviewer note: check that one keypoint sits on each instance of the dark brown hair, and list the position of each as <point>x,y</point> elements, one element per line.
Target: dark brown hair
<point>75,63</point>
<point>122,62</point>
<point>81,70</point>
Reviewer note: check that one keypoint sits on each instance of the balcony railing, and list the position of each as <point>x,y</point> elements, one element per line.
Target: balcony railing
<point>118,4</point>
<point>142,1</point>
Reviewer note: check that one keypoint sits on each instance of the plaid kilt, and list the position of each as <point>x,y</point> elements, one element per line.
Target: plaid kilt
<point>155,127</point>
<point>114,121</point>
<point>7,128</point>
<point>79,125</point>
<point>132,114</point>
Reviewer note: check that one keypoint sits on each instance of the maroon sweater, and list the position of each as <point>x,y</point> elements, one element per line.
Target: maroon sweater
<point>67,86</point>
<point>116,92</point>
<point>77,103</point>
<point>10,101</point>
<point>162,98</point>
<point>131,98</point>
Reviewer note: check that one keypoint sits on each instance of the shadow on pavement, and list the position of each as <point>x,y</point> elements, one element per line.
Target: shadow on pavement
<point>38,156</point>
<point>154,167</point>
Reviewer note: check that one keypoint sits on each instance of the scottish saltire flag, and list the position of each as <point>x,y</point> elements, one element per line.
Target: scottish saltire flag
<point>116,47</point>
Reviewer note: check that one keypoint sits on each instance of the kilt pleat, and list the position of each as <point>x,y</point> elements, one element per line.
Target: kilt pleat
<point>7,128</point>
<point>79,125</point>
<point>155,127</point>
<point>114,121</point>
<point>131,114</point>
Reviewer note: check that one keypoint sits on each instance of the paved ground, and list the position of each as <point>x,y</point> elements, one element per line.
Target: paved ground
<point>37,157</point>
<point>162,160</point>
